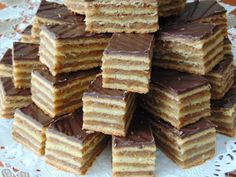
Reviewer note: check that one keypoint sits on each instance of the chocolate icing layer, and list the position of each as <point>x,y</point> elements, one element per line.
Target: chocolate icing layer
<point>189,130</point>
<point>96,90</point>
<point>130,44</point>
<point>37,114</point>
<point>189,31</point>
<point>25,51</point>
<point>64,78</point>
<point>139,134</point>
<point>71,125</point>
<point>58,12</point>
<point>223,65</point>
<point>7,57</point>
<point>176,82</point>
<point>70,32</point>
<point>27,30</point>
<point>9,89</point>
<point>231,174</point>
<point>229,100</point>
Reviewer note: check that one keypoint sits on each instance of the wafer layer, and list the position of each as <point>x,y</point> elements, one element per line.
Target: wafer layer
<point>6,64</point>
<point>77,6</point>
<point>170,7</point>
<point>106,110</point>
<point>71,149</point>
<point>66,48</point>
<point>61,94</point>
<point>127,62</point>
<point>190,146</point>
<point>190,50</point>
<point>116,16</point>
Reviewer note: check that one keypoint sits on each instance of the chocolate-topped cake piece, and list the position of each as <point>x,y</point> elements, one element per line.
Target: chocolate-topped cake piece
<point>106,110</point>
<point>29,128</point>
<point>221,78</point>
<point>12,98</point>
<point>25,60</point>
<point>68,48</point>
<point>26,36</point>
<point>51,13</point>
<point>6,64</point>
<point>190,47</point>
<point>178,98</point>
<point>138,146</point>
<point>61,94</point>
<point>126,62</point>
<point>189,146</point>
<point>66,140</point>
<point>231,174</point>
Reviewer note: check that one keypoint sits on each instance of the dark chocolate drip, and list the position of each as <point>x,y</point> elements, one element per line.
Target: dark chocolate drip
<point>27,30</point>
<point>7,57</point>
<point>223,65</point>
<point>64,78</point>
<point>176,82</point>
<point>139,134</point>
<point>96,90</point>
<point>9,89</point>
<point>37,114</point>
<point>70,32</point>
<point>130,44</point>
<point>189,31</point>
<point>229,100</point>
<point>189,130</point>
<point>25,51</point>
<point>58,12</point>
<point>71,125</point>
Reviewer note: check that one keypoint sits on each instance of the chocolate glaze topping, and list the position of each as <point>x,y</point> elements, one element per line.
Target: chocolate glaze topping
<point>58,12</point>
<point>96,90</point>
<point>25,51</point>
<point>71,125</point>
<point>64,78</point>
<point>223,65</point>
<point>189,31</point>
<point>7,57</point>
<point>229,100</point>
<point>231,174</point>
<point>189,130</point>
<point>139,134</point>
<point>37,114</point>
<point>70,32</point>
<point>27,30</point>
<point>176,82</point>
<point>130,44</point>
<point>9,89</point>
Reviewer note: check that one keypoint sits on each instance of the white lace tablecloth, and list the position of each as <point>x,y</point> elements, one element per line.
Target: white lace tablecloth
<point>16,161</point>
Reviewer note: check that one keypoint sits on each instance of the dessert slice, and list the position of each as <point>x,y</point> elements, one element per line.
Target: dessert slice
<point>178,98</point>
<point>221,78</point>
<point>70,148</point>
<point>190,146</point>
<point>51,13</point>
<point>77,6</point>
<point>6,64</point>
<point>68,48</point>
<point>25,60</point>
<point>12,98</point>
<point>26,36</point>
<point>61,94</point>
<point>116,16</point>
<point>126,62</point>
<point>106,110</point>
<point>170,7</point>
<point>29,126</point>
<point>135,154</point>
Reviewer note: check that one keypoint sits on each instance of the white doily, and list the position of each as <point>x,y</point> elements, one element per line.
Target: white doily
<point>16,161</point>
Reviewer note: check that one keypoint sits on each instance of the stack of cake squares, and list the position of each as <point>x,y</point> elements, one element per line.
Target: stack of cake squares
<point>149,74</point>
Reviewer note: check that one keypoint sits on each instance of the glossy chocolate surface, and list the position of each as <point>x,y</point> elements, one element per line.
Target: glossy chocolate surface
<point>223,65</point>
<point>231,174</point>
<point>7,58</point>
<point>25,51</point>
<point>176,82</point>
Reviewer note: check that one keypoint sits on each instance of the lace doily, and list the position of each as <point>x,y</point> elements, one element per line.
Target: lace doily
<point>16,161</point>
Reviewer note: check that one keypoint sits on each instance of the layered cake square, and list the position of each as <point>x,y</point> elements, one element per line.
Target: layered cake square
<point>193,47</point>
<point>68,48</point>
<point>126,62</point>
<point>26,36</point>
<point>6,64</point>
<point>116,16</point>
<point>107,110</point>
<point>29,126</point>
<point>61,94</point>
<point>70,148</point>
<point>178,98</point>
